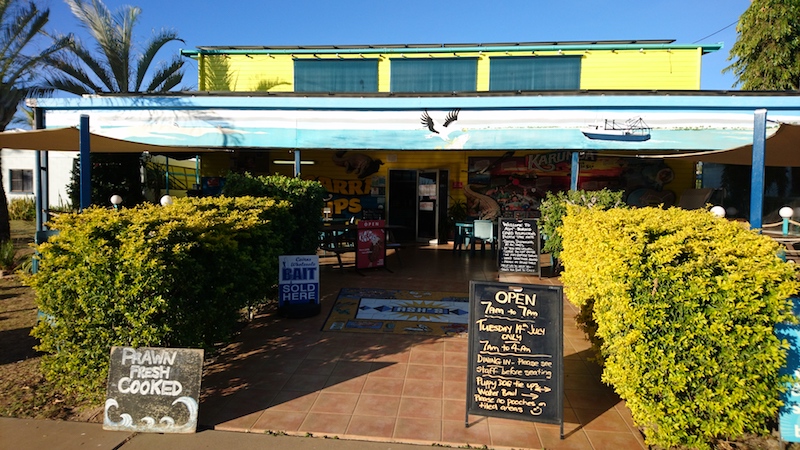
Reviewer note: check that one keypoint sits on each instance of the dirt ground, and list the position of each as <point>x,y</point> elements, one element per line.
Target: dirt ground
<point>24,392</point>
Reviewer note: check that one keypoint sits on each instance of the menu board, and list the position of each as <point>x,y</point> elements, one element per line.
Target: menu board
<point>519,246</point>
<point>516,352</point>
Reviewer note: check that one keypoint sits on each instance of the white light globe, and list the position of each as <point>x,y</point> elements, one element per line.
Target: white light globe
<point>116,200</point>
<point>718,211</point>
<point>166,200</point>
<point>786,212</point>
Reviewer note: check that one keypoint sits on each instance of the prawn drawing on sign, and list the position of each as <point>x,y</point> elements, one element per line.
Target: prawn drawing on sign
<point>442,131</point>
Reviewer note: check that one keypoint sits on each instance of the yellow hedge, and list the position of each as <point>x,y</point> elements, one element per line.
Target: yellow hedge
<point>681,306</point>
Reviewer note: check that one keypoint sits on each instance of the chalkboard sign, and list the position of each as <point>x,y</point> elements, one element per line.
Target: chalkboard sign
<point>153,389</point>
<point>519,246</point>
<point>516,352</point>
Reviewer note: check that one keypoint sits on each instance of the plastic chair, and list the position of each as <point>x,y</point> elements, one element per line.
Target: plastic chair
<point>483,231</point>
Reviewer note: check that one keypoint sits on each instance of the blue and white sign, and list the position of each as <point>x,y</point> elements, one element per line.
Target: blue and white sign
<point>298,281</point>
<point>789,415</point>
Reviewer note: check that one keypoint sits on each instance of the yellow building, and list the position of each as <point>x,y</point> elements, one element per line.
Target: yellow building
<point>449,171</point>
<point>606,65</point>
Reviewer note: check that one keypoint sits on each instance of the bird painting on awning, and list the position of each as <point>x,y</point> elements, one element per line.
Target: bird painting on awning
<point>443,132</point>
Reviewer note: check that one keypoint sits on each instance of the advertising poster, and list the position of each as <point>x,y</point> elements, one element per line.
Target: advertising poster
<point>371,244</point>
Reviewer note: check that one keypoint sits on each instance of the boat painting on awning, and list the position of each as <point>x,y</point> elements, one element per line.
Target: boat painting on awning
<point>612,130</point>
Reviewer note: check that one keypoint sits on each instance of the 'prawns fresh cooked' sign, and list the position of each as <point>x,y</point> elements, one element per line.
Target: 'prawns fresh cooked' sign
<point>153,389</point>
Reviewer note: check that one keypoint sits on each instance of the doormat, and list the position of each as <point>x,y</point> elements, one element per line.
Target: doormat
<point>399,312</point>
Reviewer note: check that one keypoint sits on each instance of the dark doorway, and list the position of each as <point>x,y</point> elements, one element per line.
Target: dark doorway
<point>417,204</point>
<point>402,208</point>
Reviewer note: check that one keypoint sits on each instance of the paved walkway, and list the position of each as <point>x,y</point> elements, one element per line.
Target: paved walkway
<point>287,376</point>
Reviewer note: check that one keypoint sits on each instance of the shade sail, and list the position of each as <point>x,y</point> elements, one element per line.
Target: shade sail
<point>68,139</point>
<point>782,149</point>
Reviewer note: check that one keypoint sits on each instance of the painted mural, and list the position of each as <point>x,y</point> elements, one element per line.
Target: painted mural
<point>513,186</point>
<point>499,123</point>
<point>357,163</point>
<point>347,197</point>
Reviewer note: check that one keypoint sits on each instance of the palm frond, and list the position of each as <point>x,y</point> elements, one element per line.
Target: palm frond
<point>15,35</point>
<point>165,73</point>
<point>70,75</point>
<point>112,63</point>
<point>151,49</point>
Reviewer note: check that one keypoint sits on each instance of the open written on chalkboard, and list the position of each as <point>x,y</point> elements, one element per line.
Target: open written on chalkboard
<point>519,246</point>
<point>516,352</point>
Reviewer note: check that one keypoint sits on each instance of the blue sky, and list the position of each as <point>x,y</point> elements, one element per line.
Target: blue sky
<point>326,22</point>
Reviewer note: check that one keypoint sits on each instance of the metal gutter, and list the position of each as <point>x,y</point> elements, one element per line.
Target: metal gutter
<point>706,48</point>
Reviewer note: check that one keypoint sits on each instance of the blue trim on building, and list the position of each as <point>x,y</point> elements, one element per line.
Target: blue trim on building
<point>667,101</point>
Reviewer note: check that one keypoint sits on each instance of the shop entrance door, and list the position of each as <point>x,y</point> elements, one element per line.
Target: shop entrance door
<point>417,204</point>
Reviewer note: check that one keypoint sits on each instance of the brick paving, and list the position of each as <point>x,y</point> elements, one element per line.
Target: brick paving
<point>286,376</point>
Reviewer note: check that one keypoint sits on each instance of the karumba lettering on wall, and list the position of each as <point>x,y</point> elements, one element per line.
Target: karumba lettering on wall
<point>515,352</point>
<point>153,389</point>
<point>347,196</point>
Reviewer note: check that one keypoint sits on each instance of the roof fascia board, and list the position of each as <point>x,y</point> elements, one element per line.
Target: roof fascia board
<point>706,48</point>
<point>729,102</point>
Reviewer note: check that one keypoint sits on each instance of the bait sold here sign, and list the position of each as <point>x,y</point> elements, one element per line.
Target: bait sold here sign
<point>298,285</point>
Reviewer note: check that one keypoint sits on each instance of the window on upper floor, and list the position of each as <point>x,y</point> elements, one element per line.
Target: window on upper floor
<point>21,180</point>
<point>434,74</point>
<point>336,75</point>
<point>534,73</point>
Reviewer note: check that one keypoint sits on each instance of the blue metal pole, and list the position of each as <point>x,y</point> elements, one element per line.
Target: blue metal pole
<point>166,174</point>
<point>757,174</point>
<point>86,164</point>
<point>38,123</point>
<point>297,163</point>
<point>575,168</point>
<point>37,179</point>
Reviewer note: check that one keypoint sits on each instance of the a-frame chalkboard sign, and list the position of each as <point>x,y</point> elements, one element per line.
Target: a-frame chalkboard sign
<point>516,352</point>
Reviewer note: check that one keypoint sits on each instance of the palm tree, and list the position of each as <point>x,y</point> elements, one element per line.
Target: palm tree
<point>79,71</point>
<point>21,22</point>
<point>115,67</point>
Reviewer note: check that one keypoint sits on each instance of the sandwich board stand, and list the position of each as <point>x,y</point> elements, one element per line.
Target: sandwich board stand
<point>298,286</point>
<point>371,245</point>
<point>516,351</point>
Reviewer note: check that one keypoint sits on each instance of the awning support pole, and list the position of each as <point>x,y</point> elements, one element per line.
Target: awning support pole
<point>757,174</point>
<point>574,169</point>
<point>86,164</point>
<point>38,123</point>
<point>166,174</point>
<point>296,163</point>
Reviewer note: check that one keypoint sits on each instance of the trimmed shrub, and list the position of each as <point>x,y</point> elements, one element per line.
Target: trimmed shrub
<point>22,209</point>
<point>554,207</point>
<point>175,276</point>
<point>682,307</point>
<point>305,196</point>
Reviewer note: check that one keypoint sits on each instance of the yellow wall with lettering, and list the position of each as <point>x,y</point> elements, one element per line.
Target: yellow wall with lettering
<point>347,187</point>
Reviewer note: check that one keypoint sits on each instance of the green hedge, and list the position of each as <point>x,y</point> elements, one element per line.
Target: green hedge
<point>554,207</point>
<point>682,306</point>
<point>305,196</point>
<point>176,276</point>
